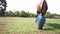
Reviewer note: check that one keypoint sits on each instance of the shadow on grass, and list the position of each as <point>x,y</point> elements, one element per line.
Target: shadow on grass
<point>48,29</point>
<point>54,26</point>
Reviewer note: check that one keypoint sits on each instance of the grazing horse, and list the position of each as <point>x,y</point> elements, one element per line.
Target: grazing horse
<point>41,10</point>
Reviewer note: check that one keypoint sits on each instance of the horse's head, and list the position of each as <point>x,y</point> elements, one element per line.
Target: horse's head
<point>42,7</point>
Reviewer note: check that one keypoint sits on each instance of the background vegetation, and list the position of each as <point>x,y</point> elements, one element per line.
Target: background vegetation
<point>27,14</point>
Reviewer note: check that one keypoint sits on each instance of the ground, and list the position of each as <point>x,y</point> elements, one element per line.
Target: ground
<point>20,25</point>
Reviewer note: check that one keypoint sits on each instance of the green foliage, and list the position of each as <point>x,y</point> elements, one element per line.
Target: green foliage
<point>2,10</point>
<point>24,14</point>
<point>27,14</point>
<point>49,15</point>
<point>10,13</point>
<point>17,13</point>
<point>32,15</point>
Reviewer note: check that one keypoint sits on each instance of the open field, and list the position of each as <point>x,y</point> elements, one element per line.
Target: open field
<point>19,25</point>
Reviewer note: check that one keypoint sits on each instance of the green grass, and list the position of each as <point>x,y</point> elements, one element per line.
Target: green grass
<point>19,25</point>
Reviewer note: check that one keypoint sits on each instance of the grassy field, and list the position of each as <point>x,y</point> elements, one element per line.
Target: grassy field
<point>19,25</point>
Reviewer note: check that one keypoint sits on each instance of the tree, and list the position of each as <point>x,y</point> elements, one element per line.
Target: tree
<point>23,14</point>
<point>3,6</point>
<point>17,13</point>
<point>10,13</point>
<point>48,15</point>
<point>32,15</point>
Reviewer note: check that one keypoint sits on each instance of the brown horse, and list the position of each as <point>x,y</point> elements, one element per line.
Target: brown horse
<point>42,7</point>
<point>41,10</point>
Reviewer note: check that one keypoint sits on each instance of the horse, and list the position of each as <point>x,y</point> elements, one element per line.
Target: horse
<point>41,10</point>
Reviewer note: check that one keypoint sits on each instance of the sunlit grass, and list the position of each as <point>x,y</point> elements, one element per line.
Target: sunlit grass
<point>27,25</point>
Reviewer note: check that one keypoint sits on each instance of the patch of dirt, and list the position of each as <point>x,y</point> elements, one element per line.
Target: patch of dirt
<point>2,28</point>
